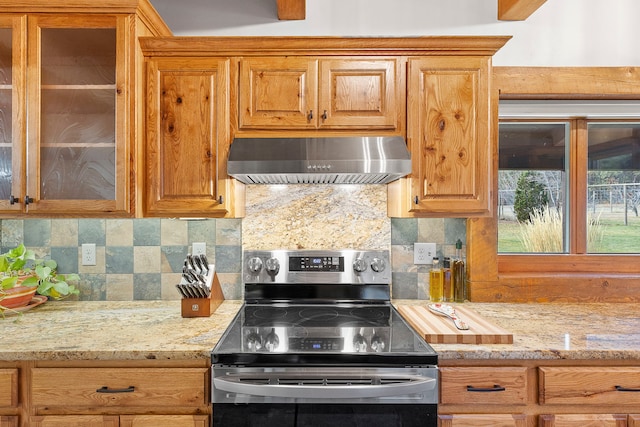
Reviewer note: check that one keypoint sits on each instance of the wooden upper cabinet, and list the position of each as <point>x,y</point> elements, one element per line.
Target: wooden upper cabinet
<point>311,93</point>
<point>449,131</point>
<point>187,137</point>
<point>68,146</point>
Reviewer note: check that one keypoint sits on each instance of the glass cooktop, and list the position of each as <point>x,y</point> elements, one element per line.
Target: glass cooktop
<point>321,334</point>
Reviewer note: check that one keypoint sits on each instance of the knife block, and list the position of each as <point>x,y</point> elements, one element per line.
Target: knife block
<point>204,307</point>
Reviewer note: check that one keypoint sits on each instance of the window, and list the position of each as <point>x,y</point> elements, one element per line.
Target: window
<point>569,186</point>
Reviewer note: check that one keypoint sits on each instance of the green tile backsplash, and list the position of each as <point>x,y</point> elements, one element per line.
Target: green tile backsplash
<point>141,259</point>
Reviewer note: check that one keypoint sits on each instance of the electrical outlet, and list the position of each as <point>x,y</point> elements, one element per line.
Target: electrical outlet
<point>88,254</point>
<point>199,248</point>
<point>423,253</point>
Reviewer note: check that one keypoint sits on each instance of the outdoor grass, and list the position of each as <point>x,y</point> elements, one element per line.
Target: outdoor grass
<point>618,238</point>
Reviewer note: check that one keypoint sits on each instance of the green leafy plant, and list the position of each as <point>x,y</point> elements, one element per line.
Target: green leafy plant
<point>20,267</point>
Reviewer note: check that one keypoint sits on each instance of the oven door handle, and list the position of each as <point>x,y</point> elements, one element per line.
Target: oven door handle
<point>243,385</point>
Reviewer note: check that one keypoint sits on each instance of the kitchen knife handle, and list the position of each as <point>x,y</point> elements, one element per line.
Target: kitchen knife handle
<point>620,388</point>
<point>106,389</point>
<point>496,387</point>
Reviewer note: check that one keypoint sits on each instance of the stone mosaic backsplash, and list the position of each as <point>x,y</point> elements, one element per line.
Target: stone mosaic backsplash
<point>141,259</point>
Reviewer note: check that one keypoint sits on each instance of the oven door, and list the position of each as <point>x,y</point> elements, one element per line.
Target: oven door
<point>323,415</point>
<point>323,396</point>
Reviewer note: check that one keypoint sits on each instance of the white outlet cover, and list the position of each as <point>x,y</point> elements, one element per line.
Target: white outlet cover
<point>88,254</point>
<point>199,248</point>
<point>423,253</point>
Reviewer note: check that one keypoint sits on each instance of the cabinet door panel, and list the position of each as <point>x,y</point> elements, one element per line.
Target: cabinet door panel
<point>492,420</point>
<point>78,151</point>
<point>119,387</point>
<point>590,385</point>
<point>358,93</point>
<point>186,137</point>
<point>8,388</point>
<point>583,420</point>
<point>6,421</point>
<point>75,421</point>
<point>164,421</point>
<point>278,93</point>
<point>512,383</point>
<point>449,135</point>
<point>12,112</point>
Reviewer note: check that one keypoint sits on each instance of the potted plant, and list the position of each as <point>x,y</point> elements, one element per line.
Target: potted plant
<point>22,275</point>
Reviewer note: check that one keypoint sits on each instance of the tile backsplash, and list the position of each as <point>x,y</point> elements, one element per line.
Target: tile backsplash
<point>141,259</point>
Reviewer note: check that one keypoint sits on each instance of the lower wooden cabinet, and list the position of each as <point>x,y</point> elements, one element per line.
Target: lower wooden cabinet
<point>486,420</point>
<point>119,421</point>
<point>8,388</point>
<point>117,394</point>
<point>589,420</point>
<point>8,421</point>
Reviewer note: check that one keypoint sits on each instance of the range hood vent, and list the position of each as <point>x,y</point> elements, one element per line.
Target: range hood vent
<point>339,160</point>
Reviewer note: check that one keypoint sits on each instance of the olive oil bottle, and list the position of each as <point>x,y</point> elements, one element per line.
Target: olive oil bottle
<point>435,281</point>
<point>459,275</point>
<point>447,280</point>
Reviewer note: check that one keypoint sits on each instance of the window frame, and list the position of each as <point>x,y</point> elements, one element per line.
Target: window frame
<point>573,277</point>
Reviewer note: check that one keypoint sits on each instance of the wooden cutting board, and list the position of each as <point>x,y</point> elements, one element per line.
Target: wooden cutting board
<point>440,330</point>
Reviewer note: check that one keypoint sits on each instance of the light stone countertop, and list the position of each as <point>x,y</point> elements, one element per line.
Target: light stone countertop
<point>134,330</point>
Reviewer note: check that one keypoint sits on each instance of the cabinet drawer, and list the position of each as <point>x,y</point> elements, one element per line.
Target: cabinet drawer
<point>119,387</point>
<point>590,385</point>
<point>485,420</point>
<point>483,385</point>
<point>8,388</point>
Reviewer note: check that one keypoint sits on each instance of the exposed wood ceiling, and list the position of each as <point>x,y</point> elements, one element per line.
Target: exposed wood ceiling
<point>516,10</point>
<point>292,9</point>
<point>508,10</point>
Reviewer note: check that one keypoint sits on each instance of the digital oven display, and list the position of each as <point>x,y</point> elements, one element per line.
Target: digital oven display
<point>316,263</point>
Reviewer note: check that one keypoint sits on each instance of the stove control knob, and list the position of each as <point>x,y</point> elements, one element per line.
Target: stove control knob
<point>378,265</point>
<point>254,265</point>
<point>271,341</point>
<point>272,265</point>
<point>359,265</point>
<point>377,344</point>
<point>359,343</point>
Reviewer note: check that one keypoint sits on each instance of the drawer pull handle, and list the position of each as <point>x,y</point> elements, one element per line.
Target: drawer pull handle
<point>106,389</point>
<point>620,388</point>
<point>485,389</point>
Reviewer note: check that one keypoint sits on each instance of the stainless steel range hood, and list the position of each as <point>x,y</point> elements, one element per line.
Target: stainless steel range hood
<point>339,160</point>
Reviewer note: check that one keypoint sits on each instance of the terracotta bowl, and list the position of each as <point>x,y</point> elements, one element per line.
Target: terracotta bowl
<point>17,297</point>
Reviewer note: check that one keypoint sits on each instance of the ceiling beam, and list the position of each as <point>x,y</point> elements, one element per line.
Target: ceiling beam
<point>291,9</point>
<point>517,10</point>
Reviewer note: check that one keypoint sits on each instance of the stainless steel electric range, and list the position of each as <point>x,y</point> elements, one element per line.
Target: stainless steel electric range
<point>318,343</point>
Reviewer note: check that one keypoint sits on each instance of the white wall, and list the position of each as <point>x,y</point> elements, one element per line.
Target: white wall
<point>560,33</point>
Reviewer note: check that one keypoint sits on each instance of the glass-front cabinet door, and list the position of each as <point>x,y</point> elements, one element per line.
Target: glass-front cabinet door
<point>12,117</point>
<point>63,107</point>
<point>76,107</point>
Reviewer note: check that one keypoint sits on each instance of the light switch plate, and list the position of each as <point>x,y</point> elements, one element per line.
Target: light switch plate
<point>423,253</point>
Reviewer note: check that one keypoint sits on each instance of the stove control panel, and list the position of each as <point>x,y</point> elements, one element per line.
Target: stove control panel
<point>316,263</point>
<point>317,266</point>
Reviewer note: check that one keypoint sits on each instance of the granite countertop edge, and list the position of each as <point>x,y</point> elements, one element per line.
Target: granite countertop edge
<point>155,330</point>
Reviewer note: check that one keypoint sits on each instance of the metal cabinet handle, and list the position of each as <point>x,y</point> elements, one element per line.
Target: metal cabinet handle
<point>325,115</point>
<point>415,200</point>
<point>496,387</point>
<point>310,116</point>
<point>620,388</point>
<point>106,389</point>
<point>13,199</point>
<point>27,200</point>
<point>221,200</point>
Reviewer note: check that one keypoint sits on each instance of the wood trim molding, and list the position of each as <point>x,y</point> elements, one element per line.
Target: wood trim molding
<point>291,9</point>
<point>567,82</point>
<point>517,10</point>
<point>575,278</point>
